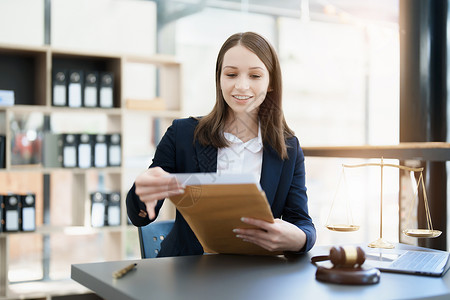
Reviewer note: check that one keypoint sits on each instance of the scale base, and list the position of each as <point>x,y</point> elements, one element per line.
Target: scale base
<point>380,243</point>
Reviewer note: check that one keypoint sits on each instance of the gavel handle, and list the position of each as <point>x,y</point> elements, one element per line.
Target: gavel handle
<point>316,259</point>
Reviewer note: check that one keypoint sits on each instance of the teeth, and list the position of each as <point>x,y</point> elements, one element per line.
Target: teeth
<point>242,97</point>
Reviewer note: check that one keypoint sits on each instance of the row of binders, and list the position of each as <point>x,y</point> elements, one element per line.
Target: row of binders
<point>18,212</point>
<point>105,209</point>
<point>82,150</point>
<point>79,88</point>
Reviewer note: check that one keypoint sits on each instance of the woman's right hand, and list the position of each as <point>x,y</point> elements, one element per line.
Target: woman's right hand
<point>155,184</point>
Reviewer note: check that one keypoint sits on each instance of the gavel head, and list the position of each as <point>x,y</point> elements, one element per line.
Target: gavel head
<point>347,256</point>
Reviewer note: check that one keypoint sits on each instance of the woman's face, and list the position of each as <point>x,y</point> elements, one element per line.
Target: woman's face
<point>244,80</point>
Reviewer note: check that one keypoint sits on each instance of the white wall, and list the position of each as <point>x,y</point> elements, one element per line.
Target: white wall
<point>119,26</point>
<point>22,22</point>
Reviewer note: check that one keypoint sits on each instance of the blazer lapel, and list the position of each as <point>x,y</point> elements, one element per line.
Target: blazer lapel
<point>271,172</point>
<point>206,158</point>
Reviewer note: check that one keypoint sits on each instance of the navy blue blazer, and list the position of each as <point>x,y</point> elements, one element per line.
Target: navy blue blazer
<point>282,180</point>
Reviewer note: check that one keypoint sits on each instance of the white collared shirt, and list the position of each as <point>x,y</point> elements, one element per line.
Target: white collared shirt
<point>240,157</point>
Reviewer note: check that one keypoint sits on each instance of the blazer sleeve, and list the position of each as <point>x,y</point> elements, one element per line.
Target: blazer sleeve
<point>164,158</point>
<point>296,207</point>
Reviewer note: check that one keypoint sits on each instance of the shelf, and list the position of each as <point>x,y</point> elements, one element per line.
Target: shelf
<point>64,197</point>
<point>90,55</point>
<point>21,49</point>
<point>161,59</point>
<point>24,71</point>
<point>40,169</point>
<point>45,289</point>
<point>68,230</point>
<point>429,151</point>
<point>48,110</point>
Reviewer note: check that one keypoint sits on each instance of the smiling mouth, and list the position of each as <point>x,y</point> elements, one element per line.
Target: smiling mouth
<point>241,98</point>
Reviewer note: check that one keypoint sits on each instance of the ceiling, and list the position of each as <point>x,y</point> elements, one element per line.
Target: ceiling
<point>321,10</point>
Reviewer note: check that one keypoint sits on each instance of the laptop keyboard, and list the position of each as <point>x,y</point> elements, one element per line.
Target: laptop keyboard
<point>419,261</point>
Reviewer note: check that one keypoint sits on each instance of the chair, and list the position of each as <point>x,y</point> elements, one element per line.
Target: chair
<point>151,235</point>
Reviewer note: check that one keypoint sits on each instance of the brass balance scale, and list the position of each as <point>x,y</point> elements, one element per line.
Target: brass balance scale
<point>380,243</point>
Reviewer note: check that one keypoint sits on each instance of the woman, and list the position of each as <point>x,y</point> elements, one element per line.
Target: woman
<point>245,132</point>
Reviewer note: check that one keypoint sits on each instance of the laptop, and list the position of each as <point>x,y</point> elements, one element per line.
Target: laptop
<point>416,262</point>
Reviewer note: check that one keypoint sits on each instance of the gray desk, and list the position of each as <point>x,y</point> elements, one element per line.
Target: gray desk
<point>244,277</point>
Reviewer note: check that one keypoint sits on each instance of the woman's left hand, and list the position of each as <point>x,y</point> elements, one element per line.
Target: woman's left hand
<point>277,236</point>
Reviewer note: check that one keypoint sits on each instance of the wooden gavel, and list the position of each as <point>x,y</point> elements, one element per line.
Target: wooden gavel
<point>343,256</point>
<point>347,267</point>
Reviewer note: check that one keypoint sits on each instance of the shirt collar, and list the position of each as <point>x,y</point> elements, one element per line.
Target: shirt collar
<point>254,145</point>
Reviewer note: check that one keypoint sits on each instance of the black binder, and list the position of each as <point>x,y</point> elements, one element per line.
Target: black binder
<point>52,150</point>
<point>28,212</point>
<point>106,90</point>
<point>91,89</point>
<point>85,146</point>
<point>113,212</point>
<point>100,151</point>
<point>75,88</point>
<point>11,213</point>
<point>114,150</point>
<point>98,209</point>
<point>2,151</point>
<point>69,150</point>
<point>59,92</point>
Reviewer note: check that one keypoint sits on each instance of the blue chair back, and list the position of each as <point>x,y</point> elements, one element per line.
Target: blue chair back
<point>151,236</point>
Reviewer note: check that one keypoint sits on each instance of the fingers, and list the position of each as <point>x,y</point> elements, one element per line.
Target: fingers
<point>155,184</point>
<point>257,237</point>
<point>150,206</point>
<point>149,181</point>
<point>267,234</point>
<point>157,193</point>
<point>254,235</point>
<point>277,236</point>
<point>156,179</point>
<point>258,223</point>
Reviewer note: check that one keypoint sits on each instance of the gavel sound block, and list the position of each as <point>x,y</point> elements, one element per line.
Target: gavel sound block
<point>347,267</point>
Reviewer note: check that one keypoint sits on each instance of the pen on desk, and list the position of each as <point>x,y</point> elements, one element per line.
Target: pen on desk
<point>122,272</point>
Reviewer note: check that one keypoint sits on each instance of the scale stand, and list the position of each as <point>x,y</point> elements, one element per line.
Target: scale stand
<point>380,243</point>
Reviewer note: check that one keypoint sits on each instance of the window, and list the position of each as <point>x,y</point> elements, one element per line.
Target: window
<point>341,87</point>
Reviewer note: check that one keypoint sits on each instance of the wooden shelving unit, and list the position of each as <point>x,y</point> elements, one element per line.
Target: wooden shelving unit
<point>28,71</point>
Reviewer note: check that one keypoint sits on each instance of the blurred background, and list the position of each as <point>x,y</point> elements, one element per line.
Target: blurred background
<point>341,84</point>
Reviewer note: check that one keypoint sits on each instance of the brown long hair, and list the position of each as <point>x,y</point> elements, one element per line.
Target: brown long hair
<point>274,129</point>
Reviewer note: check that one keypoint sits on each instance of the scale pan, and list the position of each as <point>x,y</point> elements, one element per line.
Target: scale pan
<point>343,227</point>
<point>422,233</point>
